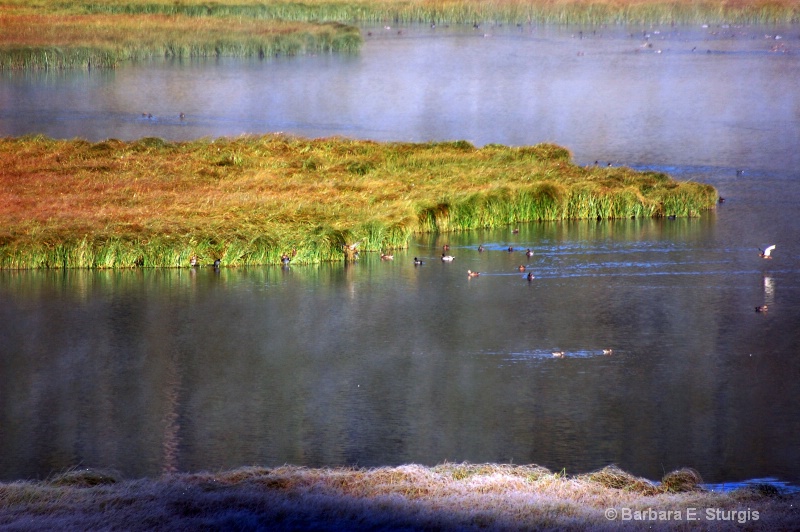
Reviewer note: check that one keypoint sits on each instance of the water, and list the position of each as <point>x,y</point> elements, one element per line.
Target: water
<point>382,362</point>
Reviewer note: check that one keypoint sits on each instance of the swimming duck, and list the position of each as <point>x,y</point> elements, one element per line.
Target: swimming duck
<point>521,267</point>
<point>558,354</point>
<point>470,273</point>
<point>529,252</point>
<point>765,254</point>
<point>384,256</point>
<point>417,261</point>
<point>447,258</point>
<point>510,249</point>
<point>285,259</point>
<point>530,276</point>
<point>193,261</point>
<point>216,264</point>
<point>761,308</point>
<point>445,247</point>
<point>608,351</point>
<point>480,248</point>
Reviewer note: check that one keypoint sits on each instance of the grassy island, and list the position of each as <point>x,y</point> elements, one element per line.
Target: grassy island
<point>102,33</point>
<point>249,200</point>
<point>411,497</point>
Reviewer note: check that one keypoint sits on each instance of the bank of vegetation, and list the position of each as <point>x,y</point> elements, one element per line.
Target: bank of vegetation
<point>103,33</point>
<point>411,497</point>
<point>251,200</point>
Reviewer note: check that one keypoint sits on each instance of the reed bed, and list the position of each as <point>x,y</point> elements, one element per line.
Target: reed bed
<point>408,497</point>
<point>60,40</point>
<point>250,200</point>
<point>103,33</point>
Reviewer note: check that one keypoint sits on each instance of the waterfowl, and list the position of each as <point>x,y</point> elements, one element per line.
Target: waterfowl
<point>384,256</point>
<point>515,231</point>
<point>193,261</point>
<point>608,351</point>
<point>761,308</point>
<point>558,354</point>
<point>480,248</point>
<point>765,254</point>
<point>530,276</point>
<point>510,249</point>
<point>447,258</point>
<point>417,261</point>
<point>470,273</point>
<point>181,116</point>
<point>445,247</point>
<point>285,259</point>
<point>216,264</point>
<point>521,267</point>
<point>529,252</point>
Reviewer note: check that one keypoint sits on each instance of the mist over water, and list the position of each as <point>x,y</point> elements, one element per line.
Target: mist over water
<point>382,362</point>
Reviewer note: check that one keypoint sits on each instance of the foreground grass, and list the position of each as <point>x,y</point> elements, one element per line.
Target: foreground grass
<point>249,200</point>
<point>410,497</point>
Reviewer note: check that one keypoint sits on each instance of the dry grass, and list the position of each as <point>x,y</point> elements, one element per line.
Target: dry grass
<point>410,497</point>
<point>248,200</point>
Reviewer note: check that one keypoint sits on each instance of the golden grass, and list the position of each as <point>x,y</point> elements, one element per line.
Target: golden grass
<point>249,200</point>
<point>409,497</point>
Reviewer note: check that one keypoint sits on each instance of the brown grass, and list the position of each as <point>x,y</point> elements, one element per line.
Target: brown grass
<point>409,497</point>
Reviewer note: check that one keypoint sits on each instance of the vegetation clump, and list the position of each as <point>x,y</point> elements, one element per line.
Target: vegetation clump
<point>252,200</point>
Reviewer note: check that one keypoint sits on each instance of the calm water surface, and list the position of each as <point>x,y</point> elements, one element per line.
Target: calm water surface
<point>381,363</point>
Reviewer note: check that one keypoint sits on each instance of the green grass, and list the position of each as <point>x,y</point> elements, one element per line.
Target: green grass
<point>249,200</point>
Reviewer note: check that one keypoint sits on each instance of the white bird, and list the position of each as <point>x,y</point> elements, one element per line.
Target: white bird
<point>558,354</point>
<point>448,258</point>
<point>766,253</point>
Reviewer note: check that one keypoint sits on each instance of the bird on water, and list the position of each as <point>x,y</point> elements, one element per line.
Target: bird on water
<point>766,252</point>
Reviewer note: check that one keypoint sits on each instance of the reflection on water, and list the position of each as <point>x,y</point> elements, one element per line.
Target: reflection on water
<point>384,362</point>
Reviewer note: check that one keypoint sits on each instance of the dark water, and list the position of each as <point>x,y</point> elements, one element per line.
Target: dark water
<point>383,362</point>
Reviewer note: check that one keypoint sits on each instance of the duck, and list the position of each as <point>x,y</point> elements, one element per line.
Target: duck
<point>510,249</point>
<point>446,247</point>
<point>470,273</point>
<point>761,308</point>
<point>480,248</point>
<point>384,256</point>
<point>285,259</point>
<point>521,267</point>
<point>766,252</point>
<point>417,261</point>
<point>558,354</point>
<point>447,258</point>
<point>530,276</point>
<point>608,351</point>
<point>193,261</point>
<point>515,231</point>
<point>529,253</point>
<point>216,264</point>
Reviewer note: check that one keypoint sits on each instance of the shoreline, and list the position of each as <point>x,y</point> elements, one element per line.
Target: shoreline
<point>409,497</point>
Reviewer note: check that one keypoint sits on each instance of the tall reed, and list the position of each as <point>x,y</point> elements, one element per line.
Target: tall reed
<point>249,200</point>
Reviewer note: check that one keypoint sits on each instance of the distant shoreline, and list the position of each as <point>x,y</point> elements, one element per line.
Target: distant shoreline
<point>105,33</point>
<point>411,497</point>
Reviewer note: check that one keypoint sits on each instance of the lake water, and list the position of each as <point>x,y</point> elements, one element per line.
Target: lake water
<point>385,362</point>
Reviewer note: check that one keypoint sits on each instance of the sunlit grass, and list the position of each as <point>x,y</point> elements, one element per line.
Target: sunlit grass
<point>46,40</point>
<point>449,496</point>
<point>248,200</point>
